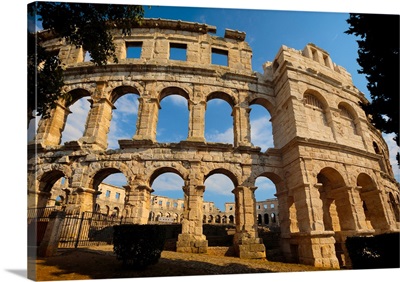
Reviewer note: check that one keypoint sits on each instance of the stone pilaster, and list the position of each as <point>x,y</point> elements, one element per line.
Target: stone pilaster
<point>147,119</point>
<point>85,199</point>
<point>138,203</point>
<point>98,124</point>
<point>312,245</point>
<point>241,126</point>
<point>192,239</point>
<point>246,241</point>
<point>316,248</point>
<point>50,129</point>
<point>309,208</point>
<point>196,121</point>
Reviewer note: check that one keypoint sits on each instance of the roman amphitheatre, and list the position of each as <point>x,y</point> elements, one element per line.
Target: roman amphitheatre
<point>330,166</point>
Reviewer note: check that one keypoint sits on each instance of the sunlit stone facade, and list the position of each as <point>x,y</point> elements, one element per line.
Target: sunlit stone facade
<point>330,166</point>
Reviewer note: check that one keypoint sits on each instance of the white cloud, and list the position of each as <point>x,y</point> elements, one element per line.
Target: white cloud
<point>127,105</point>
<point>76,120</point>
<point>123,122</point>
<point>178,100</point>
<point>219,184</point>
<point>221,137</point>
<point>116,179</point>
<point>167,182</point>
<point>261,133</point>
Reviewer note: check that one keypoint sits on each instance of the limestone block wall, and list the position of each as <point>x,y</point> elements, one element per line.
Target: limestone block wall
<point>330,166</point>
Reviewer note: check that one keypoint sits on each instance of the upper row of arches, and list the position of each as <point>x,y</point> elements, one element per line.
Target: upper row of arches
<point>174,113</point>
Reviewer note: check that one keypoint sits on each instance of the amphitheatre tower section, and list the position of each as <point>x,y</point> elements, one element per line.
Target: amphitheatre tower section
<point>330,166</point>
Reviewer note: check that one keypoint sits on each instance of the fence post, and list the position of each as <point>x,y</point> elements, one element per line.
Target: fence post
<point>49,245</point>
<point>79,230</point>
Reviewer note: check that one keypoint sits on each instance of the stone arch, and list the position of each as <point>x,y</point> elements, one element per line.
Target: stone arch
<point>266,218</point>
<point>123,112</point>
<point>229,98</point>
<point>261,113</point>
<point>334,212</point>
<point>317,110</point>
<point>173,90</point>
<point>267,104</point>
<point>120,91</point>
<point>46,183</point>
<point>225,172</point>
<point>173,111</point>
<point>166,169</point>
<point>349,117</point>
<point>101,170</point>
<point>275,178</point>
<point>76,94</point>
<point>372,201</point>
<point>395,207</point>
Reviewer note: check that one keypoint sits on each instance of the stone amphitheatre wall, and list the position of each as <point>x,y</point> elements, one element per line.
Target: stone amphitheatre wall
<point>330,166</point>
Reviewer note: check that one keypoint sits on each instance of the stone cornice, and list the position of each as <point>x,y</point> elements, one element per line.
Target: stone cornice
<point>299,141</point>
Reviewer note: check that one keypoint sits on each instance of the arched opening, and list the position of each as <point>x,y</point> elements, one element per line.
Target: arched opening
<point>394,206</point>
<point>218,118</point>
<point>372,202</point>
<point>218,189</point>
<point>348,118</point>
<point>168,196</point>
<point>112,187</point>
<point>334,215</point>
<point>259,219</point>
<point>124,117</point>
<point>51,189</point>
<point>267,185</point>
<point>266,218</point>
<point>261,126</point>
<point>318,118</point>
<point>173,117</point>
<point>76,119</point>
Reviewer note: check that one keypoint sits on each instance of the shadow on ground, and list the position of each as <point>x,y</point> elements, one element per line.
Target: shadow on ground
<point>80,264</point>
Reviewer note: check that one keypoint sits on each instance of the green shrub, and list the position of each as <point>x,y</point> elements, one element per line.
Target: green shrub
<point>138,246</point>
<point>371,252</point>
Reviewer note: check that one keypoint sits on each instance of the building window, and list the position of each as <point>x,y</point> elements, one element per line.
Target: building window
<point>168,204</point>
<point>117,195</point>
<point>265,206</point>
<point>177,51</point>
<point>160,202</point>
<point>219,57</point>
<point>272,206</point>
<point>108,194</point>
<point>230,208</point>
<point>133,50</point>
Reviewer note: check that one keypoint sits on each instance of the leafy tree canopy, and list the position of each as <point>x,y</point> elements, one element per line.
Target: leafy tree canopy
<point>378,57</point>
<point>84,25</point>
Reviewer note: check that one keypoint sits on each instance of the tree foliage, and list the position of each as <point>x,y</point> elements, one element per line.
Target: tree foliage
<point>378,57</point>
<point>84,25</point>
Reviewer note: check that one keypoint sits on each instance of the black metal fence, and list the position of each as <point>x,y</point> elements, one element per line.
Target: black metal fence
<point>78,229</point>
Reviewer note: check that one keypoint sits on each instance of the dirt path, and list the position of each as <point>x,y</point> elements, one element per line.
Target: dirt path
<point>101,263</point>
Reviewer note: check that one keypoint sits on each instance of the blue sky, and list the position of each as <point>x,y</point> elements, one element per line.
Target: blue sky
<point>266,31</point>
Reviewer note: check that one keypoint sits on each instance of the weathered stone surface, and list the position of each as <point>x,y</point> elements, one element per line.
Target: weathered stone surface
<point>330,166</point>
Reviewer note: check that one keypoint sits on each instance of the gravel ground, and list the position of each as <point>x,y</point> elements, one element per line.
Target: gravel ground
<point>100,263</point>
